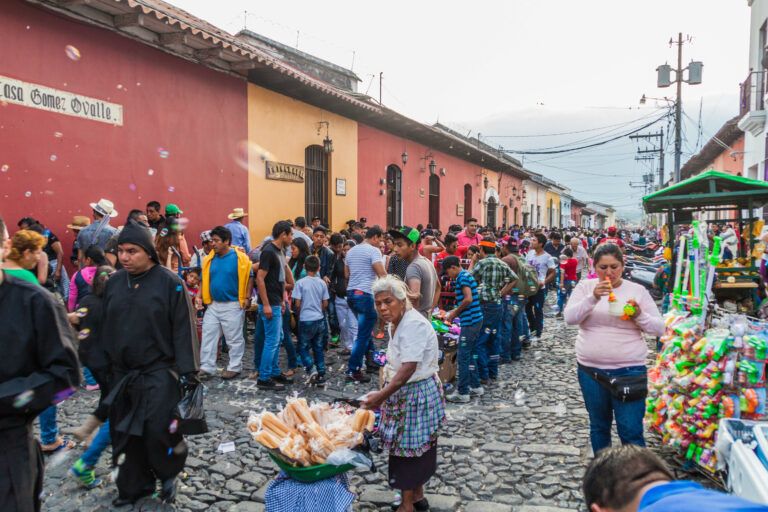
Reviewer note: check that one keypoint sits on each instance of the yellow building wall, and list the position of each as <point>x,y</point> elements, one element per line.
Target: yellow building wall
<point>281,128</point>
<point>552,199</point>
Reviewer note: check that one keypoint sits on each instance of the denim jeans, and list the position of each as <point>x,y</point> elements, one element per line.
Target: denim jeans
<point>88,377</point>
<point>602,408</point>
<point>49,431</point>
<point>98,445</point>
<point>489,341</point>
<point>361,304</point>
<point>564,295</point>
<point>467,357</point>
<point>287,341</point>
<point>270,357</point>
<point>258,341</point>
<point>512,316</point>
<point>535,311</point>
<point>312,335</point>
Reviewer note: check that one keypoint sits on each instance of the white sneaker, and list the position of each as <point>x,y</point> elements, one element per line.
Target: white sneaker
<point>479,391</point>
<point>458,398</point>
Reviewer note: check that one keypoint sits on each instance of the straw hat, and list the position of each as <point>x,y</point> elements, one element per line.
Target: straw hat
<point>104,207</point>
<point>237,213</point>
<point>79,222</point>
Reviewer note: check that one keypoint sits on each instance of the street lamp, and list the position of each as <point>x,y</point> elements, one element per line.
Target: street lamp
<point>404,157</point>
<point>432,166</point>
<point>664,79</point>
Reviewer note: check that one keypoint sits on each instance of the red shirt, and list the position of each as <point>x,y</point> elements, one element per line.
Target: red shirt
<point>569,268</point>
<point>612,240</point>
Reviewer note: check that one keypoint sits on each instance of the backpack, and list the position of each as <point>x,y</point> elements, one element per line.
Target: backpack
<point>527,278</point>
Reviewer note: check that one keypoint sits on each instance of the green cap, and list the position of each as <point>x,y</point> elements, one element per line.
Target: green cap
<point>172,209</point>
<point>407,232</point>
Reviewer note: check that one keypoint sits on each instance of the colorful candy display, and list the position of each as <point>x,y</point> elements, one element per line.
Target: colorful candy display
<point>703,375</point>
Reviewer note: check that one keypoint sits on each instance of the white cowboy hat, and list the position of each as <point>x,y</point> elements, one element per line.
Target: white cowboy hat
<point>104,207</point>
<point>237,213</point>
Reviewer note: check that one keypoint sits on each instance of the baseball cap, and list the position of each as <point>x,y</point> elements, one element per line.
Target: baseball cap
<point>406,232</point>
<point>172,209</point>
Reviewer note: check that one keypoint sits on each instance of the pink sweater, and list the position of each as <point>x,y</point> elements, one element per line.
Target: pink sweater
<point>606,341</point>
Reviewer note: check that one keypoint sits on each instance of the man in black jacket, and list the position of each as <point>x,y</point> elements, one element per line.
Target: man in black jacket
<point>39,366</point>
<point>151,339</point>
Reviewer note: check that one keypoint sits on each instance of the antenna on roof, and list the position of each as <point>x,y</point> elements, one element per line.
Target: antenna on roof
<point>352,68</point>
<point>297,39</point>
<point>245,20</point>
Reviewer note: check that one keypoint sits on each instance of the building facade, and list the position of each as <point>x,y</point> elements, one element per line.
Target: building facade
<point>85,115</point>
<point>752,111</point>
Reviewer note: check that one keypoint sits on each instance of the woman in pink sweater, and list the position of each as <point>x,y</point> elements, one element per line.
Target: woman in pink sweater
<point>609,347</point>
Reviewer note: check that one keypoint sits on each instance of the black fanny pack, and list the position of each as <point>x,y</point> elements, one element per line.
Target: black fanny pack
<point>627,388</point>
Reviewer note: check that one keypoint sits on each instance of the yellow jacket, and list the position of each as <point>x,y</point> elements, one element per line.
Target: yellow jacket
<point>243,273</point>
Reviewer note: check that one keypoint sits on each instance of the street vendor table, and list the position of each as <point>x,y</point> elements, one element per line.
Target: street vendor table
<point>734,197</point>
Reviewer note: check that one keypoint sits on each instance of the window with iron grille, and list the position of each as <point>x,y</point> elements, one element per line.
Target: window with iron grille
<point>316,183</point>
<point>394,196</point>
<point>434,201</point>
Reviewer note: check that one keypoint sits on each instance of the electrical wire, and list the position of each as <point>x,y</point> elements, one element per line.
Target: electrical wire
<point>601,143</point>
<point>570,133</point>
<point>591,138</point>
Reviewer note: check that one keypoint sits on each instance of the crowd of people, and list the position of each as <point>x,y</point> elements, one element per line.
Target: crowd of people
<point>147,320</point>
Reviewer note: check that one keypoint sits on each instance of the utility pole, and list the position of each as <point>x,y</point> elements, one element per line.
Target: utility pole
<point>659,150</point>
<point>664,71</point>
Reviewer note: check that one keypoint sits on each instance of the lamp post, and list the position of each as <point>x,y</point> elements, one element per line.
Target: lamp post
<point>664,80</point>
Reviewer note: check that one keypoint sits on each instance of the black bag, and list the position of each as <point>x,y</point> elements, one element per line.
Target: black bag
<point>627,388</point>
<point>190,411</point>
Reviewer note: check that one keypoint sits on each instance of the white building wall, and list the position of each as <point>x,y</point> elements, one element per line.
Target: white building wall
<point>754,145</point>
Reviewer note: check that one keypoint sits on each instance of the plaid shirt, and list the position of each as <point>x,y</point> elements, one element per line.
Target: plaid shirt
<point>492,275</point>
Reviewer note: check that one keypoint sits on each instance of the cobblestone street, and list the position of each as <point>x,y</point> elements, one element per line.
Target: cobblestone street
<point>500,452</point>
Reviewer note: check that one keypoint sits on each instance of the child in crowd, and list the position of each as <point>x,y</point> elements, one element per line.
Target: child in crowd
<point>311,297</point>
<point>192,280</point>
<point>568,265</point>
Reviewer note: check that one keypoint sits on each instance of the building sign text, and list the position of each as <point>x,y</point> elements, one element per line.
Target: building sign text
<point>285,172</point>
<point>58,101</point>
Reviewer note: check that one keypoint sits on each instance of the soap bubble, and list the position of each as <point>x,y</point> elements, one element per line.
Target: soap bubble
<point>5,168</point>
<point>54,158</point>
<point>27,194</point>
<point>119,86</point>
<point>164,153</point>
<point>58,135</point>
<point>72,52</point>
<point>248,151</point>
<point>151,172</point>
<point>174,426</point>
<point>23,399</point>
<point>171,189</point>
<point>132,187</point>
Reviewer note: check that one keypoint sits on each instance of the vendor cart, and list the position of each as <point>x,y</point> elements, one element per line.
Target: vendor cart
<point>738,198</point>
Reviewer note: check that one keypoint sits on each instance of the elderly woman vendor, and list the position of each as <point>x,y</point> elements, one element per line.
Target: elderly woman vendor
<point>412,402</point>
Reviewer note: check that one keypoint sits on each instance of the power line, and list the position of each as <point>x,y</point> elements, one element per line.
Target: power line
<point>601,143</point>
<point>570,133</point>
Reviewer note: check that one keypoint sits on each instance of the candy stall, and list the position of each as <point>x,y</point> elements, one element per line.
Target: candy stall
<point>716,197</point>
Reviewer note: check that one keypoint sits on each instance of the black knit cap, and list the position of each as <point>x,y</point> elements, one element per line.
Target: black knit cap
<point>138,234</point>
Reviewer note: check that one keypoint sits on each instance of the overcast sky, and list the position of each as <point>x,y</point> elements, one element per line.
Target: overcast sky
<point>525,67</point>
